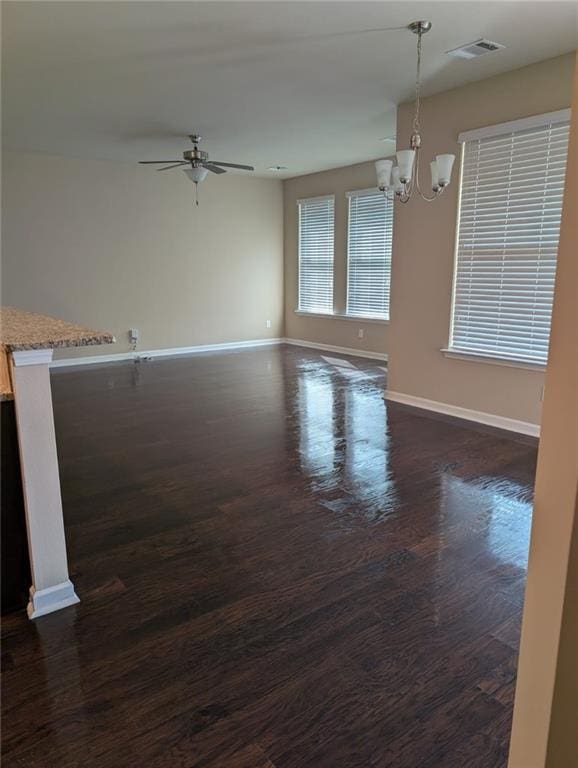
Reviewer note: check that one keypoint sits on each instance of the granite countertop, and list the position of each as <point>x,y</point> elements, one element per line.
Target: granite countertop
<point>21,330</point>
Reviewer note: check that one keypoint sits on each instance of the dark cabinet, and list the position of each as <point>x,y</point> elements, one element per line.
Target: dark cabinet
<point>16,577</point>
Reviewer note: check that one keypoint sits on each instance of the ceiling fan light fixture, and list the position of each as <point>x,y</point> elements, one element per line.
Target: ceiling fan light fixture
<point>197,165</point>
<point>196,174</point>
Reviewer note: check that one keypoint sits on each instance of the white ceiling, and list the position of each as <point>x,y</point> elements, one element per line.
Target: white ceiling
<point>265,83</point>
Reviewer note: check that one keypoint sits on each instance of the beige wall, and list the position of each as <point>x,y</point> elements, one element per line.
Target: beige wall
<point>424,241</point>
<point>116,246</point>
<point>336,331</point>
<point>545,730</point>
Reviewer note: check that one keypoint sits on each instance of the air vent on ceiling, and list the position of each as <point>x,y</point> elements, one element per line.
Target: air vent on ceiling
<point>475,49</point>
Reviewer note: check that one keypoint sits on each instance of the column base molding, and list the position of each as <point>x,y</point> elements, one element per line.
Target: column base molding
<point>51,599</point>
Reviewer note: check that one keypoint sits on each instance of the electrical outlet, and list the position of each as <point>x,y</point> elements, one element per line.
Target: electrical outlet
<point>268,323</point>
<point>133,335</point>
<point>360,333</point>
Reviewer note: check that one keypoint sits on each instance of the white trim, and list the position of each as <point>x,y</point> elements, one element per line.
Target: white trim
<point>341,316</point>
<point>360,192</point>
<point>475,357</point>
<point>51,587</point>
<point>51,599</point>
<point>318,199</point>
<point>324,315</point>
<point>362,319</point>
<point>456,243</point>
<point>490,419</point>
<point>176,351</point>
<point>339,350</point>
<point>533,121</point>
<point>31,356</point>
<point>170,352</point>
<point>114,358</point>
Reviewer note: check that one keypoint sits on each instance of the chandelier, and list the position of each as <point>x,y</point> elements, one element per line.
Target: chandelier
<point>399,182</point>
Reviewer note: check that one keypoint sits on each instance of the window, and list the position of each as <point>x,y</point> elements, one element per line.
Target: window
<point>316,228</point>
<point>369,254</point>
<point>509,222</point>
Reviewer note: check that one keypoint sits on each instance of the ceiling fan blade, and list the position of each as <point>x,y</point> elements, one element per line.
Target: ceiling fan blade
<point>157,162</point>
<point>234,165</point>
<point>213,168</point>
<point>168,167</point>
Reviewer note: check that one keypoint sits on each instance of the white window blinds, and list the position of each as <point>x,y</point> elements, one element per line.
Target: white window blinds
<point>369,254</point>
<point>316,236</point>
<point>509,223</point>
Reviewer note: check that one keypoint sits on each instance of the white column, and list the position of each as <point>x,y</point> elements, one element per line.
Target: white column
<point>51,588</point>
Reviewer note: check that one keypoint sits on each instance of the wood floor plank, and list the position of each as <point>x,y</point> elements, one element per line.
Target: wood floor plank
<point>277,569</point>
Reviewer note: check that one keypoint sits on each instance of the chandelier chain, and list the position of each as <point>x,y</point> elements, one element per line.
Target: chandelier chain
<point>417,85</point>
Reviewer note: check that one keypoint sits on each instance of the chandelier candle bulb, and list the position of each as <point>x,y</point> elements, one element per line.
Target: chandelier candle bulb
<point>434,175</point>
<point>405,162</point>
<point>444,165</point>
<point>383,169</point>
<point>395,180</point>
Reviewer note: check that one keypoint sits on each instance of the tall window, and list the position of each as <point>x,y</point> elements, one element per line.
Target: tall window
<point>509,224</point>
<point>369,254</point>
<point>316,236</point>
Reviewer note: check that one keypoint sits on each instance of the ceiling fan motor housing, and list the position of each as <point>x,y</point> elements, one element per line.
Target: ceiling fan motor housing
<point>196,154</point>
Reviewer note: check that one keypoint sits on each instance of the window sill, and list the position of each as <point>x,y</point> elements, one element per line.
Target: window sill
<point>338,316</point>
<point>475,357</point>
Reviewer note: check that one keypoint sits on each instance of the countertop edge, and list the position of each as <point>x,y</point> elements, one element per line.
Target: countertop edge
<point>92,341</point>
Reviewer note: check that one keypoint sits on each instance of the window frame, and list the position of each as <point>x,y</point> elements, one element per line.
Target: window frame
<point>299,202</point>
<point>385,318</point>
<point>522,124</point>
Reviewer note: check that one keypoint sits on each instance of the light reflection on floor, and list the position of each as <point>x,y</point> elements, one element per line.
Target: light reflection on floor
<point>500,512</point>
<point>348,462</point>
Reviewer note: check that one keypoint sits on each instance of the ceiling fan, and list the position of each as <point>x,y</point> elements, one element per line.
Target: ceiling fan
<point>198,162</point>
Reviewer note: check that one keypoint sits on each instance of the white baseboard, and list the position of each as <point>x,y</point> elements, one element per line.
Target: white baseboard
<point>490,419</point>
<point>170,352</point>
<point>230,345</point>
<point>68,361</point>
<point>339,350</point>
<point>51,599</point>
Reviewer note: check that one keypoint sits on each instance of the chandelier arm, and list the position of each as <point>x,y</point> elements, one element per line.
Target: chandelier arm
<point>417,163</point>
<point>421,194</point>
<point>432,198</point>
<point>408,187</point>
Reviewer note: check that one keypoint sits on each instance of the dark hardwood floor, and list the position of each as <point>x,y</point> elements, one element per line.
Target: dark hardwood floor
<point>276,570</point>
